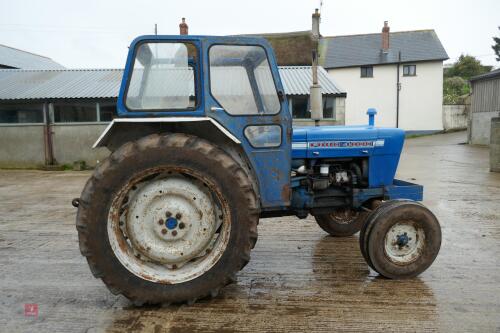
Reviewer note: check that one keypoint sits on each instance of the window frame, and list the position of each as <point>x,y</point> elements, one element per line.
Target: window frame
<point>308,104</point>
<point>264,124</point>
<point>209,83</point>
<point>409,66</point>
<point>366,76</point>
<point>14,105</point>
<point>196,76</point>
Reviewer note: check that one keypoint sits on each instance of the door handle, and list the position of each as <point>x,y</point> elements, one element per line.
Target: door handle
<point>365,151</point>
<point>216,108</point>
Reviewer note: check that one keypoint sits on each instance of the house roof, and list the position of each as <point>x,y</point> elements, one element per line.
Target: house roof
<point>489,75</point>
<point>290,48</point>
<point>358,50</point>
<point>14,58</point>
<point>17,84</point>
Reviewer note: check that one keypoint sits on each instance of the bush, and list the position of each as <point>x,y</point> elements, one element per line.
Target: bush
<point>455,90</point>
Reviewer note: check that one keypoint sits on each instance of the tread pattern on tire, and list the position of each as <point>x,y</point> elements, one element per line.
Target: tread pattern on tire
<point>178,140</point>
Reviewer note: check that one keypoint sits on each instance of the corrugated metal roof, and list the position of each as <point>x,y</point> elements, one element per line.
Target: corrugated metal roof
<point>16,84</point>
<point>357,50</point>
<point>59,84</point>
<point>490,75</point>
<point>12,57</point>
<point>297,81</point>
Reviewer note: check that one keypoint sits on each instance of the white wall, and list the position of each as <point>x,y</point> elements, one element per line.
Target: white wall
<point>420,96</point>
<point>363,93</point>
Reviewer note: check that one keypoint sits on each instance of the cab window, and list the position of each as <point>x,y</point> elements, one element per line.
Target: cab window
<point>163,77</point>
<point>241,80</point>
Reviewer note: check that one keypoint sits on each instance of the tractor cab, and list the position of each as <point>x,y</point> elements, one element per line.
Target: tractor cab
<point>227,87</point>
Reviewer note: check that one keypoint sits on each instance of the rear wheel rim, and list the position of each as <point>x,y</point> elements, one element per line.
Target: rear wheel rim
<point>169,225</point>
<point>344,216</point>
<point>404,242</point>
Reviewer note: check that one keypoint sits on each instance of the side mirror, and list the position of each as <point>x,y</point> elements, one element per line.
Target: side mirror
<point>281,96</point>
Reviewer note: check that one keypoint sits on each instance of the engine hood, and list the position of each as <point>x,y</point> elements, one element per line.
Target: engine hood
<point>345,141</point>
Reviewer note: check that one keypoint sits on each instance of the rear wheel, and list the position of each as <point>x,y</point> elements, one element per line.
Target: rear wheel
<point>167,219</point>
<point>401,239</point>
<point>342,223</point>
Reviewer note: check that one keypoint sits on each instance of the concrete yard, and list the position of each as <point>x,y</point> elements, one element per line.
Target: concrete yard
<point>299,279</point>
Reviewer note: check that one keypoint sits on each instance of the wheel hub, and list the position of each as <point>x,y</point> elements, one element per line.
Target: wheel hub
<point>171,223</point>
<point>404,242</point>
<point>171,220</point>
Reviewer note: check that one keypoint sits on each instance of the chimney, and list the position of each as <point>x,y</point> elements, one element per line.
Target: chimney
<point>183,27</point>
<point>385,37</point>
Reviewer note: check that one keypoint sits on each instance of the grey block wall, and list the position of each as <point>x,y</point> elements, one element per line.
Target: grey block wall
<point>480,127</point>
<point>73,142</point>
<point>21,146</point>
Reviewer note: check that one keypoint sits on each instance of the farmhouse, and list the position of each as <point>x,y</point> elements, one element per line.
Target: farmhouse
<point>400,74</point>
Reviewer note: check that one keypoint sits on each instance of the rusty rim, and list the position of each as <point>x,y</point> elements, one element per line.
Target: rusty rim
<point>169,225</point>
<point>344,216</point>
<point>404,242</point>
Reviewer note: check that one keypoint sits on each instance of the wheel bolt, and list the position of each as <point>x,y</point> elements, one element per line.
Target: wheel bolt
<point>160,221</point>
<point>181,225</point>
<point>168,214</point>
<point>174,233</point>
<point>178,216</point>
<point>164,231</point>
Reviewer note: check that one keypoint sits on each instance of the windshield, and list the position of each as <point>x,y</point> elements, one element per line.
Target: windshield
<point>162,77</point>
<point>241,80</point>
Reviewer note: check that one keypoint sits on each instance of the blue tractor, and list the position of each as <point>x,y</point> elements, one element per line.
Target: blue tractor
<point>204,147</point>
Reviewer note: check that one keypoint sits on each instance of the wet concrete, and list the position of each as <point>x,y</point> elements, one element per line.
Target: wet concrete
<point>299,279</point>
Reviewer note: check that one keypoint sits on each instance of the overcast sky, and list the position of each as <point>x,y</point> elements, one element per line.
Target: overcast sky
<point>96,33</point>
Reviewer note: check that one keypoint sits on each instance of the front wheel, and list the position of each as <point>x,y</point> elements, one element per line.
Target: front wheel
<point>401,239</point>
<point>342,223</point>
<point>167,219</point>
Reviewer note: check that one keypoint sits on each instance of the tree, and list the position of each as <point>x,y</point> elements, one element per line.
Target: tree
<point>455,85</point>
<point>496,46</point>
<point>466,67</point>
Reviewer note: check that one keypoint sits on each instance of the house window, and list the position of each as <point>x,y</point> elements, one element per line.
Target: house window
<point>410,70</point>
<point>21,113</point>
<point>107,111</point>
<point>367,71</point>
<point>300,107</point>
<point>74,112</point>
<point>328,107</point>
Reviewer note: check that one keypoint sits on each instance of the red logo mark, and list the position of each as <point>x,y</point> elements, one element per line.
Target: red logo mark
<point>31,310</point>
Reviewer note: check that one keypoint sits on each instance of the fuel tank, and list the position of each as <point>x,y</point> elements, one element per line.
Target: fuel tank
<point>382,147</point>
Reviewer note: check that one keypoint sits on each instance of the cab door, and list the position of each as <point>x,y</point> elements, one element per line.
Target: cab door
<point>243,92</point>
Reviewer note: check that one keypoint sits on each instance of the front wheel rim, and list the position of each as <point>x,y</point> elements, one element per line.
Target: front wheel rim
<point>169,225</point>
<point>404,242</point>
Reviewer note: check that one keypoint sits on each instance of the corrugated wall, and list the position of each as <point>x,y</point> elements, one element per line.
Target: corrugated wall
<point>486,96</point>
<point>485,104</point>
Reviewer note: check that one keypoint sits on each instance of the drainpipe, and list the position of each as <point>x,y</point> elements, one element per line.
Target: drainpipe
<point>47,135</point>
<point>398,88</point>
<point>315,96</point>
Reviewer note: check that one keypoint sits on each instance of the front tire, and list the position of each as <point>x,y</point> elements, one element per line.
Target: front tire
<point>401,239</point>
<point>167,219</point>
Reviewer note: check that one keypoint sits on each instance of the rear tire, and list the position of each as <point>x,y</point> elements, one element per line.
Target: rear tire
<point>344,222</point>
<point>401,239</point>
<point>105,202</point>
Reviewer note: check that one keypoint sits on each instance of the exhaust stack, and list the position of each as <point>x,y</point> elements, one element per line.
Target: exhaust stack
<point>315,97</point>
